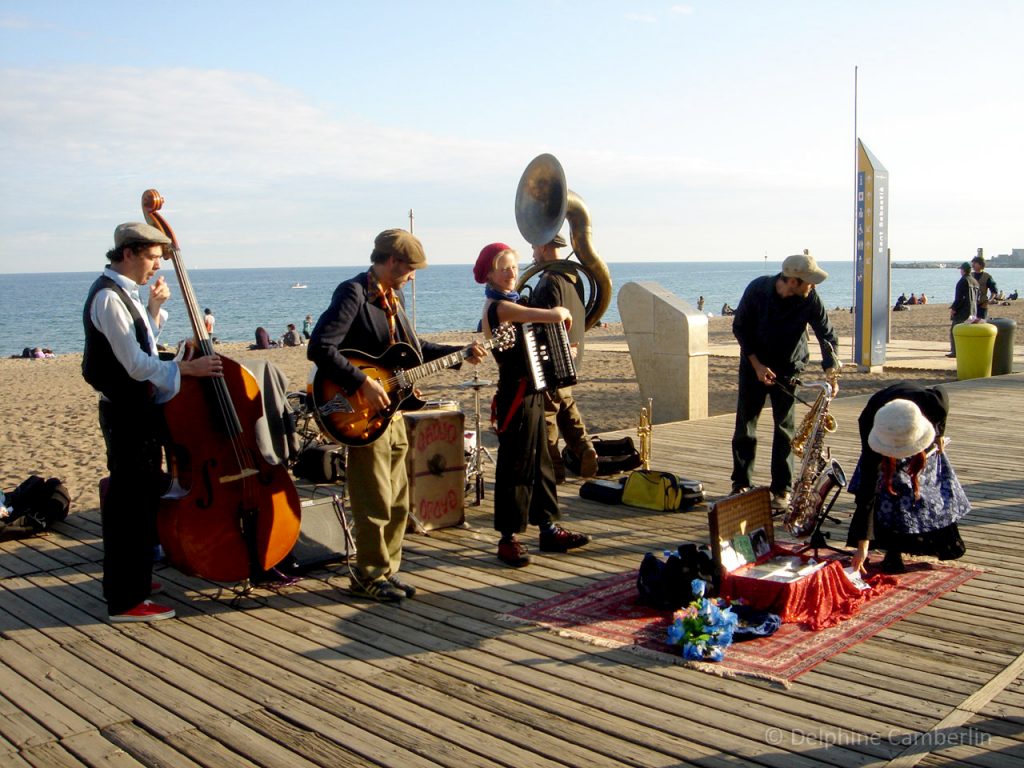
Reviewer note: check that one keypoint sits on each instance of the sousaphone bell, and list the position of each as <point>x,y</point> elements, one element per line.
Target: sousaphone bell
<point>543,203</point>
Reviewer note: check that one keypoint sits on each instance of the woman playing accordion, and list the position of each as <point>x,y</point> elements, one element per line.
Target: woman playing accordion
<point>524,481</point>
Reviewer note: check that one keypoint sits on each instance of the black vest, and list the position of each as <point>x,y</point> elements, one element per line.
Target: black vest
<point>99,365</point>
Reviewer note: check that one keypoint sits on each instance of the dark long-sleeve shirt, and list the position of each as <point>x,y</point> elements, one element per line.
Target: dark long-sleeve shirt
<point>775,329</point>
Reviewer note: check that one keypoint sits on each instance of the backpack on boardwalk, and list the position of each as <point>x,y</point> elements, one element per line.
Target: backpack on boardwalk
<point>34,506</point>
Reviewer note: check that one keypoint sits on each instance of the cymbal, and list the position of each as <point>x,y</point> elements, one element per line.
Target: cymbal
<point>475,383</point>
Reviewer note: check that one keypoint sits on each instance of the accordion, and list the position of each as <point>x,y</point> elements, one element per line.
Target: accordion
<point>548,356</point>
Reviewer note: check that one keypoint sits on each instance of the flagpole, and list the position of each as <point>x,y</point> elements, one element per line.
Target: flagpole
<point>413,279</point>
<point>856,163</point>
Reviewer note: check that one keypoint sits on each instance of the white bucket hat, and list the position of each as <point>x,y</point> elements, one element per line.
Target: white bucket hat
<point>900,430</point>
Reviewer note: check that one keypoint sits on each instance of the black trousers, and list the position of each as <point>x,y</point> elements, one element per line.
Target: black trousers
<point>134,439</point>
<point>749,404</point>
<point>524,478</point>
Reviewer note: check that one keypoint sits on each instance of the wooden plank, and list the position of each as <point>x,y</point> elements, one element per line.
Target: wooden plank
<point>310,675</point>
<point>94,750</point>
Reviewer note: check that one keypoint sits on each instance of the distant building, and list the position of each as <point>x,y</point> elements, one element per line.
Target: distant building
<point>1014,258</point>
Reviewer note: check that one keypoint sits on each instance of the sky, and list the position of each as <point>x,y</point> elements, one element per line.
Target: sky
<point>286,134</point>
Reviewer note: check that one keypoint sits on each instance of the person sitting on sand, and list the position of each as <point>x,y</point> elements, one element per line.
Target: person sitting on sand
<point>263,339</point>
<point>291,337</point>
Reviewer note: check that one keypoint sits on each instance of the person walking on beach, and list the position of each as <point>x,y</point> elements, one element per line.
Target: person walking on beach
<point>307,327</point>
<point>367,313</point>
<point>560,289</point>
<point>986,284</point>
<point>965,303</point>
<point>121,362</point>
<point>524,479</point>
<point>770,325</point>
<point>700,304</point>
<point>209,321</point>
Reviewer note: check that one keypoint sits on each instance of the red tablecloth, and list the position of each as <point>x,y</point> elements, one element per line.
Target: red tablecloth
<point>819,600</point>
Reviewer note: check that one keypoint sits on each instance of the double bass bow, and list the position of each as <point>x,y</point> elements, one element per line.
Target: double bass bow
<point>230,514</point>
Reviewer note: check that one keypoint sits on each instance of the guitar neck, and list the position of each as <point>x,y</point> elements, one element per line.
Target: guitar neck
<point>413,375</point>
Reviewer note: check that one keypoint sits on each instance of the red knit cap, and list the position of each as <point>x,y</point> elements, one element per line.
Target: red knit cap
<point>485,261</point>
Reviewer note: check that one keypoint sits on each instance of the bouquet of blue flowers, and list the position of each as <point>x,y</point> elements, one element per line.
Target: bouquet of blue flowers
<point>704,628</point>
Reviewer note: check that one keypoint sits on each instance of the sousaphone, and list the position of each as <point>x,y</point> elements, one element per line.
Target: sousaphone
<point>543,203</point>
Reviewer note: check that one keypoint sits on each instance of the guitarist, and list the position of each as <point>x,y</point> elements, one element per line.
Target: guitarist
<point>367,314</point>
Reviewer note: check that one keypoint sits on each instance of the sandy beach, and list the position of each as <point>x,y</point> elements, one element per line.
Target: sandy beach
<point>49,412</point>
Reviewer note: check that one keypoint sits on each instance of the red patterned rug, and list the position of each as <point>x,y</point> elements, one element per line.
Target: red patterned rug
<point>607,613</point>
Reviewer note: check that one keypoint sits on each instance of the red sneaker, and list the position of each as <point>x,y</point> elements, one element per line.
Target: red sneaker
<point>512,552</point>
<point>147,610</point>
<point>557,539</point>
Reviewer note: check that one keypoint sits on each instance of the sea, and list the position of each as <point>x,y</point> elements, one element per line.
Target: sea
<point>45,310</point>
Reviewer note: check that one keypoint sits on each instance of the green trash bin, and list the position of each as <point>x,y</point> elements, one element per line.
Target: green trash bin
<point>1002,352</point>
<point>974,344</point>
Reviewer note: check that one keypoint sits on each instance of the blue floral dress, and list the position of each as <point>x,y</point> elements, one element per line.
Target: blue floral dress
<point>925,525</point>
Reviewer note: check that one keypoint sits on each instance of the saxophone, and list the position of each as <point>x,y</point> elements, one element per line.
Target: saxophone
<point>819,472</point>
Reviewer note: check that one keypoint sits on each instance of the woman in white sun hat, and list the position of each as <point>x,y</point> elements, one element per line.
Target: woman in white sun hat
<point>908,496</point>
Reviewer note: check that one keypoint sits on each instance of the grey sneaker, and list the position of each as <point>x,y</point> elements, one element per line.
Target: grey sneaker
<point>402,584</point>
<point>381,590</point>
<point>780,501</point>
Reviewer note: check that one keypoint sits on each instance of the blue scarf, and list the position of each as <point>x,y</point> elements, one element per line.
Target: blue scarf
<point>494,293</point>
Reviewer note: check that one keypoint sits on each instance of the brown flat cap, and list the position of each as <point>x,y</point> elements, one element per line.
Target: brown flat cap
<point>557,241</point>
<point>405,245</point>
<point>137,232</point>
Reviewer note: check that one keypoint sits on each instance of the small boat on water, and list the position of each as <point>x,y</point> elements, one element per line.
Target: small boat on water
<point>299,285</point>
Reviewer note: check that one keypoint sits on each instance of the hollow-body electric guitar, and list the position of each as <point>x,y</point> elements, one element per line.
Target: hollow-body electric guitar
<point>350,420</point>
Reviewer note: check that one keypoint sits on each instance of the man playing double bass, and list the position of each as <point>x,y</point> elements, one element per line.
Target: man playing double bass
<point>122,363</point>
<point>367,314</point>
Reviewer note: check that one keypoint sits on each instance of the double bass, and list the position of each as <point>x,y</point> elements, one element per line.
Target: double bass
<point>229,514</point>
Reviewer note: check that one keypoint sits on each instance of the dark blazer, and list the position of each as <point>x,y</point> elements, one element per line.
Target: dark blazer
<point>350,322</point>
<point>965,299</point>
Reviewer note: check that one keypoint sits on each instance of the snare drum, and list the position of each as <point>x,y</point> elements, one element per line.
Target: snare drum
<point>441,405</point>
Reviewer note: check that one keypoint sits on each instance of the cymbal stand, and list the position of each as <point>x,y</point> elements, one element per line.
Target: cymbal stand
<point>476,471</point>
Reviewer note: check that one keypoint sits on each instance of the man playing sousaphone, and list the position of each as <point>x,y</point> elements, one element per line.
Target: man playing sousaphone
<point>367,314</point>
<point>559,289</point>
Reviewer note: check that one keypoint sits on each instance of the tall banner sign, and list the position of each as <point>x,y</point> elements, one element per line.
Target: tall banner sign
<point>871,326</point>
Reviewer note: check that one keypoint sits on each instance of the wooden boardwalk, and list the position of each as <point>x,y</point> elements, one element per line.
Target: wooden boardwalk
<point>311,677</point>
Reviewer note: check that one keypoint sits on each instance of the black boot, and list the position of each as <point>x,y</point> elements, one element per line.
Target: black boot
<point>893,562</point>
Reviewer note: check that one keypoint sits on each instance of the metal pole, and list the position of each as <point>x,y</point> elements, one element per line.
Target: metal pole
<point>856,161</point>
<point>413,280</point>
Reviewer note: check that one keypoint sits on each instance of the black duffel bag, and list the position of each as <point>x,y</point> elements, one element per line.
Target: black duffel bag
<point>321,464</point>
<point>613,456</point>
<point>34,506</point>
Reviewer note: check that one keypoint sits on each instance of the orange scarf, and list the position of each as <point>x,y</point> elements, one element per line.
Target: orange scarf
<point>386,300</point>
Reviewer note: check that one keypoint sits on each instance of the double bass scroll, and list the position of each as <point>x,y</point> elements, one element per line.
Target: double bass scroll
<point>232,514</point>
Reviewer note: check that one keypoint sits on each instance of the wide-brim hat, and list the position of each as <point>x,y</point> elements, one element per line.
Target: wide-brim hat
<point>804,267</point>
<point>900,430</point>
